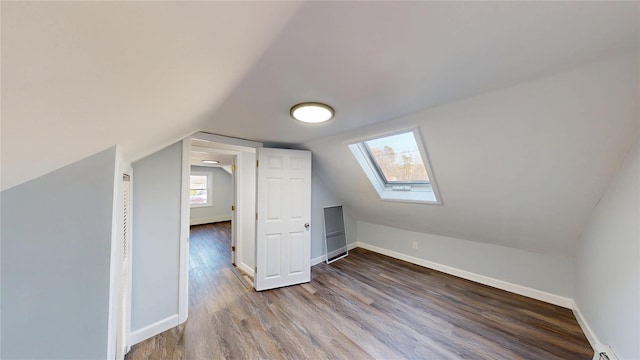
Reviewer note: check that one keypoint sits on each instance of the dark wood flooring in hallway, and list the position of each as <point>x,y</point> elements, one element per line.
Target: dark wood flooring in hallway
<point>362,307</point>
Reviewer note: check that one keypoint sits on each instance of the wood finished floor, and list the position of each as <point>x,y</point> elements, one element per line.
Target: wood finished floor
<point>362,307</point>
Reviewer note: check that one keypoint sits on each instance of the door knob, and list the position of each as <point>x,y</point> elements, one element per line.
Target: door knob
<point>306,226</point>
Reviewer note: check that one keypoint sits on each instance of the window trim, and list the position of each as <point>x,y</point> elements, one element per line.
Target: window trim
<point>209,176</point>
<point>403,191</point>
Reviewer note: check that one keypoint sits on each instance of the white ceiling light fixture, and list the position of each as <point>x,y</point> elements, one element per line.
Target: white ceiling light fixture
<point>312,112</point>
<point>210,161</point>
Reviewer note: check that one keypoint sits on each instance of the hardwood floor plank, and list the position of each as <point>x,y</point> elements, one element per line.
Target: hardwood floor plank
<point>365,306</point>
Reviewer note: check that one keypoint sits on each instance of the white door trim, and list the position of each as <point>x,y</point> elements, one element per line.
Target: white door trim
<point>222,143</point>
<point>115,264</point>
<point>183,282</point>
<point>228,143</point>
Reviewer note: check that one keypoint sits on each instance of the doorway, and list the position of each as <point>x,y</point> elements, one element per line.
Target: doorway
<point>212,188</point>
<point>241,156</point>
<point>209,266</point>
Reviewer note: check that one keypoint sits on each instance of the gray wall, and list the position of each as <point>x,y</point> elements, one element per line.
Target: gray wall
<point>222,192</point>
<point>56,246</point>
<point>608,264</point>
<point>520,167</point>
<point>156,236</point>
<point>551,274</point>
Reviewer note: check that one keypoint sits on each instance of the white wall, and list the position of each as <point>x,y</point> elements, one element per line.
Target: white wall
<point>56,244</point>
<point>321,196</point>
<point>156,239</point>
<point>222,197</point>
<point>608,264</point>
<point>548,277</point>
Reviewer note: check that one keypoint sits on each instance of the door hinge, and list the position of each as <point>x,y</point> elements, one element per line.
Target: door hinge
<point>233,208</point>
<point>256,216</point>
<point>233,168</point>
<point>257,163</point>
<point>233,248</point>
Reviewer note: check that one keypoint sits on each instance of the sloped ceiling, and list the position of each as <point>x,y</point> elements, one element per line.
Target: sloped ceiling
<point>373,61</point>
<point>521,167</point>
<point>78,77</point>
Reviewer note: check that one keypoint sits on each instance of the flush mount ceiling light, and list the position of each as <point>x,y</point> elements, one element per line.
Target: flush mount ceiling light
<point>312,112</point>
<point>211,161</point>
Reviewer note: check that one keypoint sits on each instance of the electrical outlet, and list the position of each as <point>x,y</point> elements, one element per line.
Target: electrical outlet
<point>604,352</point>
<point>415,245</point>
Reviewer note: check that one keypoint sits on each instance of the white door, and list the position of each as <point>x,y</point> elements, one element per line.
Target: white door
<point>283,240</point>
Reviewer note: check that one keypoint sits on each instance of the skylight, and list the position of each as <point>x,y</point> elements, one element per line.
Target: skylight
<point>398,158</point>
<point>397,167</point>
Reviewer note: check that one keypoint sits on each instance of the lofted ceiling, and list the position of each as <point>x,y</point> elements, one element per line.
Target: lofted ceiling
<point>78,77</point>
<point>374,61</point>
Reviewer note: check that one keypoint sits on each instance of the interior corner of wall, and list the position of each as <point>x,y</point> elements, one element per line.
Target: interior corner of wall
<point>584,325</point>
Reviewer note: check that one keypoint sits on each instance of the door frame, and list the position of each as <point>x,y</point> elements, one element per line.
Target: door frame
<point>122,167</point>
<point>222,143</point>
<point>236,155</point>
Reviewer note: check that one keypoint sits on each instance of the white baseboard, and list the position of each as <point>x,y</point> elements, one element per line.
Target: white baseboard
<point>586,329</point>
<point>588,332</point>
<point>500,284</point>
<point>317,260</point>
<point>153,329</point>
<point>209,220</point>
<point>246,269</point>
<point>323,258</point>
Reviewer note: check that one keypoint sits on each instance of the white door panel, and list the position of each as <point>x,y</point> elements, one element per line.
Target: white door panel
<point>284,208</point>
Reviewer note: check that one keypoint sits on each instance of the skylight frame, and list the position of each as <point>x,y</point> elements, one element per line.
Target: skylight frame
<point>403,191</point>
